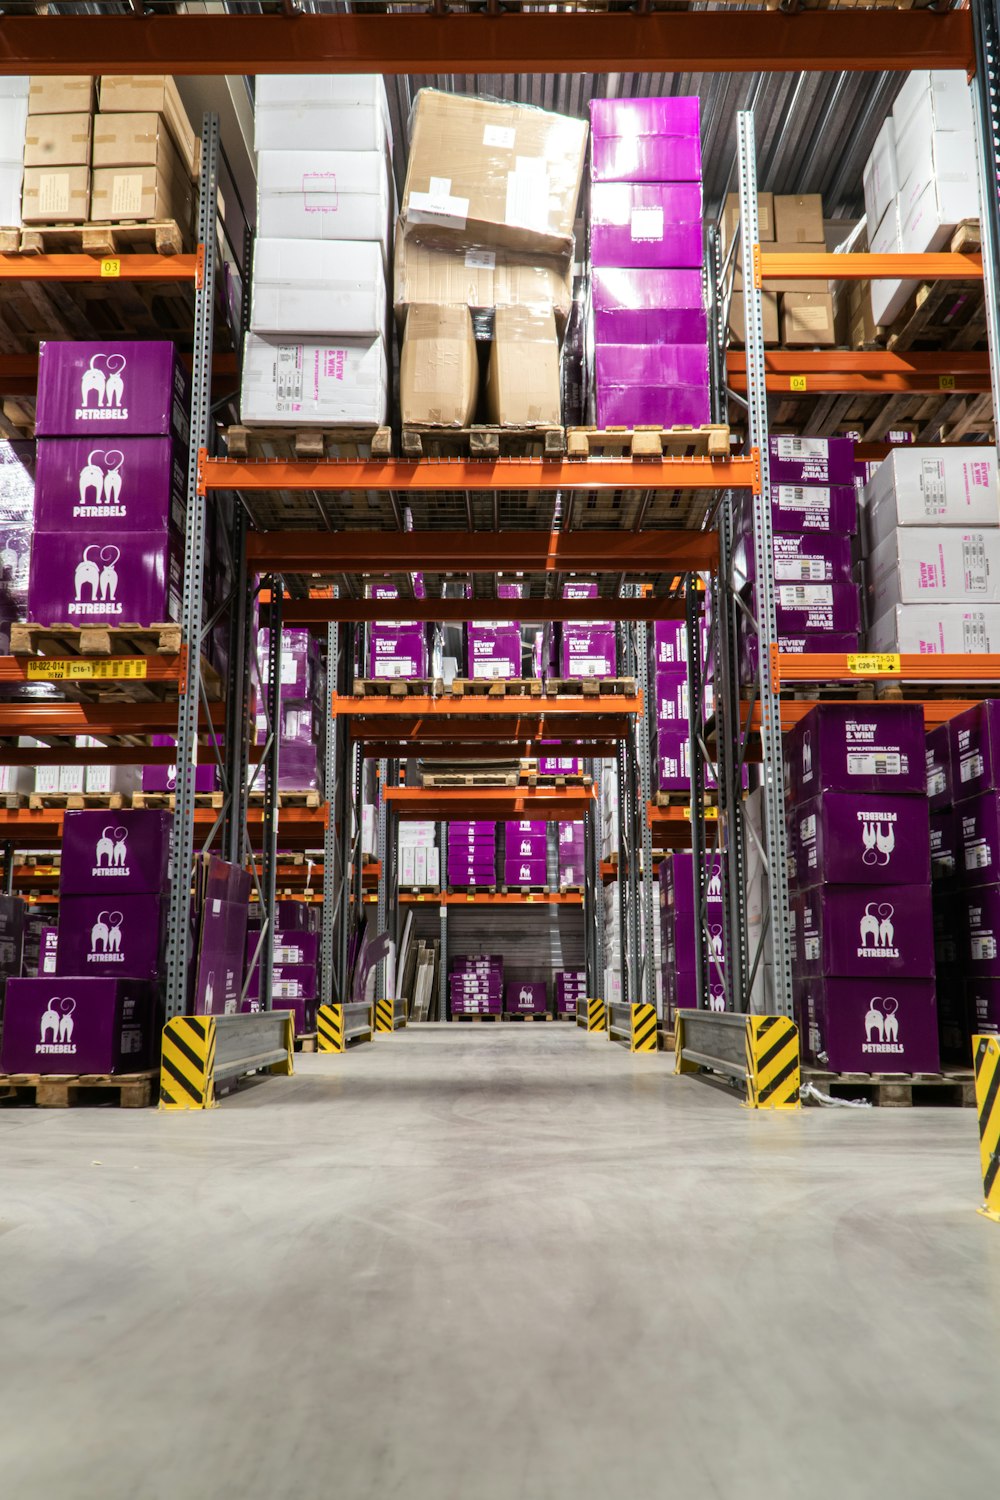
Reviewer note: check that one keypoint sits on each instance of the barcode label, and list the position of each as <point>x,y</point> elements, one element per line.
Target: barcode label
<point>802,497</point>
<point>874,763</point>
<point>803,569</point>
<point>935,782</point>
<point>288,376</point>
<point>971,767</point>
<point>812,948</point>
<point>977,857</point>
<point>975,640</point>
<point>800,447</point>
<point>974,563</point>
<point>984,947</point>
<point>932,487</point>
<point>799,596</point>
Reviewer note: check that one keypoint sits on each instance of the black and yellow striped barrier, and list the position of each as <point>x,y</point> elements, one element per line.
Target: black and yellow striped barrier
<point>634,1024</point>
<point>762,1052</point>
<point>592,1014</point>
<point>390,1015</point>
<point>336,1025</point>
<point>986,1055</point>
<point>200,1052</point>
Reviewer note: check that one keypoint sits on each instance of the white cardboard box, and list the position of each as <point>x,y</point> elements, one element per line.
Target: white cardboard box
<point>937,564</point>
<point>881,180</point>
<point>937,629</point>
<point>925,151</point>
<point>11,180</point>
<point>928,219</point>
<point>434,867</point>
<point>318,289</point>
<point>948,94</point>
<point>407,865</point>
<point>324,195</point>
<point>314,381</point>
<point>333,111</point>
<point>941,486</point>
<point>419,864</point>
<point>17,779</point>
<point>889,297</point>
<point>13,118</point>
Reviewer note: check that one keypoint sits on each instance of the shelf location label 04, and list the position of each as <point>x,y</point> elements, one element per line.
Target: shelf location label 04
<point>86,669</point>
<point>875,664</point>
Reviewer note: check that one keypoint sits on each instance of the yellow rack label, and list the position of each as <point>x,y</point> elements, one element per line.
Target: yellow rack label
<point>798,383</point>
<point>86,668</point>
<point>711,814</point>
<point>946,382</point>
<point>874,663</point>
<point>111,267</point>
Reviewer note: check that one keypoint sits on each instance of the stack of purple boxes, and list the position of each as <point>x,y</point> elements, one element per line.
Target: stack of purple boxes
<point>300,709</point>
<point>571,871</point>
<point>668,671</point>
<point>859,843</point>
<point>678,933</point>
<point>650,328</point>
<point>525,850</point>
<point>971,907</point>
<point>294,973</point>
<point>476,986</point>
<point>472,854</point>
<point>586,650</point>
<point>110,484</point>
<point>98,1013</point>
<point>571,991</point>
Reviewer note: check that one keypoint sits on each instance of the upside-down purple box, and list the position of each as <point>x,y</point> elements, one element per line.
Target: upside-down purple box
<point>974,743</point>
<point>77,1025</point>
<point>126,388</point>
<point>857,747</point>
<point>646,224</point>
<point>812,461</point>
<point>530,996</point>
<point>671,697</point>
<point>937,759</point>
<point>646,305</point>
<point>134,484</point>
<point>127,850</point>
<point>984,1001</point>
<point>853,838</point>
<point>812,507</point>
<point>978,820</point>
<point>114,578</point>
<point>645,140</point>
<point>118,937</point>
<point>801,608</point>
<point>662,385</point>
<point>882,1026</point>
<point>809,558</point>
<point>851,929</point>
<point>669,648</point>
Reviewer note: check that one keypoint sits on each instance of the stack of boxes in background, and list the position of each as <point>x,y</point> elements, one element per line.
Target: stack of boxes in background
<point>397,650</point>
<point>932,536</point>
<point>571,855</point>
<point>17,519</point>
<point>317,348</point>
<point>795,311</point>
<point>571,991</point>
<point>526,853</point>
<point>472,854</point>
<point>526,997</point>
<point>678,933</point>
<point>586,649</point>
<point>13,117</point>
<point>294,976</point>
<point>475,986</point>
<point>301,710</point>
<point>484,250</point>
<point>58,139</point>
<point>650,332</point>
<point>419,856</point>
<point>668,667</point>
<point>863,951</point>
<point>493,650</point>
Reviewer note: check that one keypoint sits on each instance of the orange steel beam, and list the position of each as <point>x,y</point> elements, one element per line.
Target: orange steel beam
<point>480,474</point>
<point>34,828</point>
<point>478,551</point>
<point>99,718</point>
<point>318,612</point>
<point>871,666</point>
<point>478,705</point>
<point>386,749</point>
<point>772,266</point>
<point>674,42</point>
<point>489,898</point>
<point>156,669</point>
<point>546,803</point>
<point>109,755</point>
<point>97,268</point>
<point>937,711</point>
<point>874,372</point>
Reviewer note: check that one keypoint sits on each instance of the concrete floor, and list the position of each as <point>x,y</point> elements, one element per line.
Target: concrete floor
<point>485,1263</point>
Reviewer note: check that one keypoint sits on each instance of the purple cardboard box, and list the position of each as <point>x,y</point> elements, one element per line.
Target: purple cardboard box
<point>671,697</point>
<point>669,644</point>
<point>646,305</point>
<point>945,845</point>
<point>221,958</point>
<point>849,838</point>
<point>646,224</point>
<point>125,851</point>
<point>645,140</point>
<point>938,763</point>
<point>801,608</point>
<point>136,484</point>
<point>948,913</point>
<point>112,578</point>
<point>984,1005</point>
<point>680,991</point>
<point>526,846</point>
<point>587,651</point>
<point>118,937</point>
<point>810,507</point>
<point>673,758</point>
<point>676,876</point>
<point>851,1026</point>
<point>127,389</point>
<point>810,558</point>
<point>493,651</point>
<point>974,744</point>
<point>981,956</point>
<point>294,947</point>
<point>530,996</point>
<point>164,778</point>
<point>398,651</point>
<point>303,1012</point>
<point>955,1015</point>
<point>73,1025</point>
<point>851,929</point>
<point>812,461</point>
<point>296,916</point>
<point>524,872</point>
<point>288,982</point>
<point>663,385</point>
<point>857,747</point>
<point>978,820</point>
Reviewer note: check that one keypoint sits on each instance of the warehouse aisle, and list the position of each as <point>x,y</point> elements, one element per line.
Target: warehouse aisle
<point>494,1263</point>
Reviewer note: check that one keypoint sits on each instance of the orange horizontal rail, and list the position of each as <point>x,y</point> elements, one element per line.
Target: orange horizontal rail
<point>772,266</point>
<point>873,666</point>
<point>40,719</point>
<point>495,802</point>
<point>314,613</point>
<point>107,669</point>
<point>98,268</point>
<point>41,828</point>
<point>874,372</point>
<point>489,898</point>
<point>480,705</point>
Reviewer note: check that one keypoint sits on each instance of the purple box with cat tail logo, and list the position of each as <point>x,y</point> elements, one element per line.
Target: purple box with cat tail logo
<point>129,484</point>
<point>121,937</point>
<point>882,1026</point>
<point>97,577</point>
<point>126,387</point>
<point>78,1025</point>
<point>531,997</point>
<point>860,839</point>
<point>127,850</point>
<point>844,930</point>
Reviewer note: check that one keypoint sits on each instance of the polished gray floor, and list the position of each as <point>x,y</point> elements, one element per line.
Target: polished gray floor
<point>484,1263</point>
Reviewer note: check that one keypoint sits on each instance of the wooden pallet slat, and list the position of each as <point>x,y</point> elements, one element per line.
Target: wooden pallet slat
<point>152,237</point>
<point>308,443</point>
<point>31,639</point>
<point>484,441</point>
<point>62,1091</point>
<point>952,1088</point>
<point>710,440</point>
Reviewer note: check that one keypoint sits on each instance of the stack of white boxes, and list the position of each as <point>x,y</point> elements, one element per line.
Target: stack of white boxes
<point>931,532</point>
<point>96,779</point>
<point>920,181</point>
<point>419,857</point>
<point>317,347</point>
<point>13,118</point>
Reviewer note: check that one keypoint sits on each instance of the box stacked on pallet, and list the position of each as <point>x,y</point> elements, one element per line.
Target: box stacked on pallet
<point>612,944</point>
<point>559,765</point>
<point>109,492</point>
<point>571,854</point>
<point>17,512</point>
<point>668,660</point>
<point>492,650</point>
<point>317,348</point>
<point>526,997</point>
<point>163,778</point>
<point>796,312</point>
<point>571,991</point>
<point>419,856</point>
<point>475,986</point>
<point>863,954</point>
<point>58,137</point>
<point>650,330</point>
<point>13,117</point>
<point>294,976</point>
<point>931,531</point>
<point>974,749</point>
<point>590,649</point>
<point>678,933</point>
<point>955,1005</point>
<point>526,844</point>
<point>301,694</point>
<point>145,153</point>
<point>396,650</point>
<point>814,523</point>
<point>472,853</point>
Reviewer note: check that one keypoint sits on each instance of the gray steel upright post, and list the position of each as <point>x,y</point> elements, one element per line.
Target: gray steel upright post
<point>332,882</point>
<point>773,772</point>
<point>443,927</point>
<point>591,889</point>
<point>189,699</point>
<point>382,855</point>
<point>269,824</point>
<point>696,770</point>
<point>646,730</point>
<point>986,109</point>
<point>237,744</point>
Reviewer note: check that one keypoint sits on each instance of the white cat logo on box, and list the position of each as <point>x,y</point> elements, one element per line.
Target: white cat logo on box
<point>877,935</point>
<point>882,1026</point>
<point>106,939</point>
<point>878,836</point>
<point>111,854</point>
<point>95,582</point>
<point>56,1027</point>
<point>102,390</point>
<point>102,475</point>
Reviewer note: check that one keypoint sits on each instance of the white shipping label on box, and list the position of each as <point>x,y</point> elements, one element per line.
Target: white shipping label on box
<point>946,565</point>
<point>499,135</point>
<point>53,193</point>
<point>439,205</point>
<point>647,224</point>
<point>335,382</point>
<point>528,195</point>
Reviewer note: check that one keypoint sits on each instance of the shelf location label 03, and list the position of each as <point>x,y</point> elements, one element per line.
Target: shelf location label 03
<point>86,669</point>
<point>875,664</point>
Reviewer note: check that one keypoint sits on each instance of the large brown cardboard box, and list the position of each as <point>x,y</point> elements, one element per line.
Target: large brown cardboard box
<point>731,217</point>
<point>157,94</point>
<point>134,140</point>
<point>807,319</point>
<point>769,310</point>
<point>798,220</point>
<point>55,195</point>
<point>487,174</point>
<point>57,140</point>
<point>522,384</point>
<point>438,367</point>
<point>60,95</point>
<point>157,190</point>
<point>483,279</point>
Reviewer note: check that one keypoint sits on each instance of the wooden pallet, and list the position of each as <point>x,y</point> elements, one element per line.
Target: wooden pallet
<point>157,237</point>
<point>472,890</point>
<point>590,687</point>
<point>398,687</point>
<point>495,687</point>
<point>60,1091</point>
<point>708,441</point>
<point>308,444</point>
<point>665,1039</point>
<point>955,1088</point>
<point>484,442</point>
<point>469,778</point>
<point>571,890</point>
<point>524,890</point>
<point>167,801</point>
<point>476,1018</point>
<point>74,801</point>
<point>943,314</point>
<point>289,799</point>
<point>95,640</point>
<point>566,1015</point>
<point>540,778</point>
<point>306,1041</point>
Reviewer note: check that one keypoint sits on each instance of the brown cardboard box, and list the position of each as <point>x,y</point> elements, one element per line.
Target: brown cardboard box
<point>861,327</point>
<point>158,190</point>
<point>731,217</point>
<point>134,141</point>
<point>57,140</point>
<point>486,174</point>
<point>60,95</point>
<point>157,94</point>
<point>55,195</point>
<point>798,220</point>
<point>790,283</point>
<point>807,319</point>
<point>483,279</point>
<point>522,383</point>
<point>438,367</point>
<point>769,308</point>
